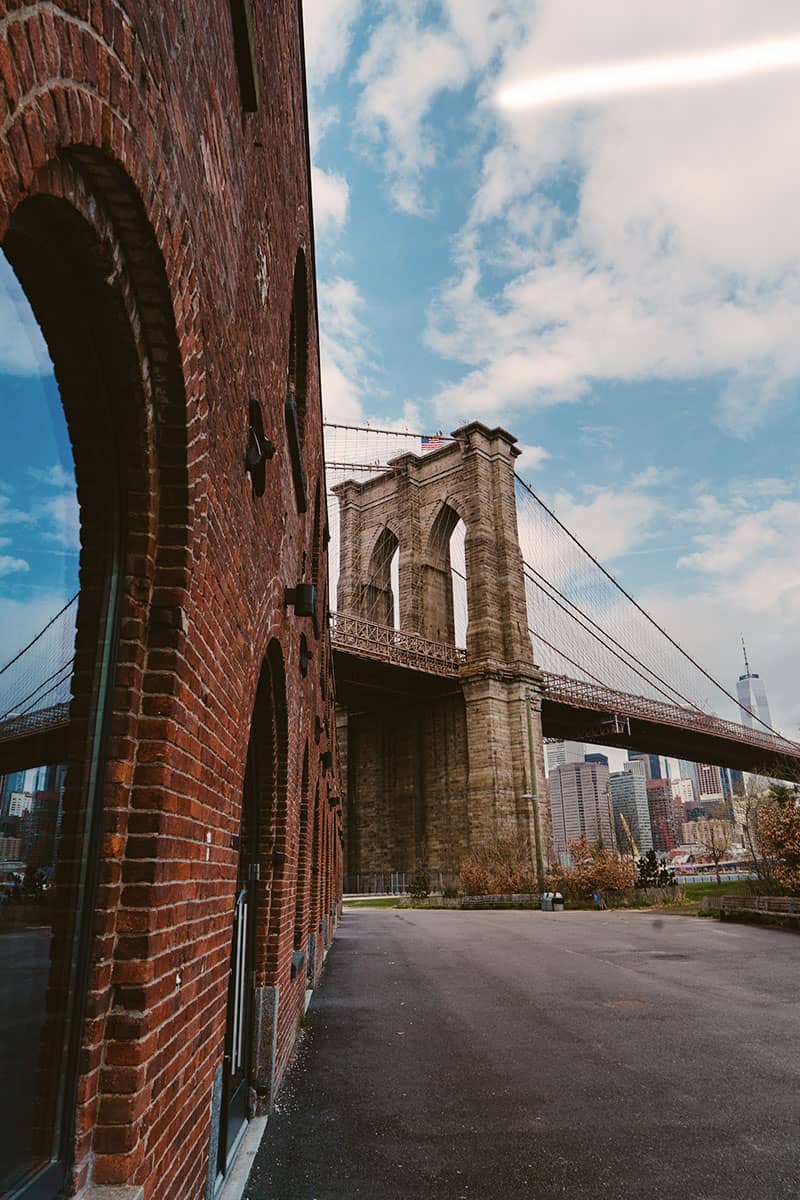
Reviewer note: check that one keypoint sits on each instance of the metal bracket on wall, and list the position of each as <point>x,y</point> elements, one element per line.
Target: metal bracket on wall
<point>260,448</point>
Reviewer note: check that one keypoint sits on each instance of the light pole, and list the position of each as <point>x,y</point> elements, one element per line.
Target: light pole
<point>533,700</point>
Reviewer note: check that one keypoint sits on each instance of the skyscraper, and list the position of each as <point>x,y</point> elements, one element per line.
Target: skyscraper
<point>629,799</point>
<point>665,801</point>
<point>654,765</point>
<point>556,753</point>
<point>688,770</point>
<point>709,783</point>
<point>752,697</point>
<point>581,804</point>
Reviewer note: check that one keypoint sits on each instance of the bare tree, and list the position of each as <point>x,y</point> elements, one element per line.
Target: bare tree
<point>715,837</point>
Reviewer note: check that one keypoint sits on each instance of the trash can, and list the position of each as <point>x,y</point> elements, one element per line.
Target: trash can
<point>547,901</point>
<point>558,902</point>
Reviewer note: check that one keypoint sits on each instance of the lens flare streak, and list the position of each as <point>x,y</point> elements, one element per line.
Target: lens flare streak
<point>651,74</point>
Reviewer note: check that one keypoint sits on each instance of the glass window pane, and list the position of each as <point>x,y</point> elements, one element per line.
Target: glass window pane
<point>39,551</point>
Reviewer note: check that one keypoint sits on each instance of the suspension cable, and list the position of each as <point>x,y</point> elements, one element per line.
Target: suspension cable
<point>527,567</point>
<point>41,632</point>
<point>642,610</point>
<point>610,649</point>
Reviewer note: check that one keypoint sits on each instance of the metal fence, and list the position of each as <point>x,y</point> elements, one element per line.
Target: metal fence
<point>395,883</point>
<point>767,904</point>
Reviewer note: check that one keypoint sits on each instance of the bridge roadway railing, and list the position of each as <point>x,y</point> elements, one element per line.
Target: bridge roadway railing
<point>592,696</point>
<point>371,640</point>
<point>42,720</point>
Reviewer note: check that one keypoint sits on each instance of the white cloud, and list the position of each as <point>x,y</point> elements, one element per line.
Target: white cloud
<point>328,27</point>
<point>12,516</point>
<point>55,476</point>
<point>530,458</point>
<point>649,237</point>
<point>611,523</point>
<point>406,67</point>
<point>331,200</point>
<point>743,577</point>
<point>653,476</point>
<point>762,536</point>
<point>9,565</point>
<point>22,348</point>
<point>652,74</point>
<point>62,515</point>
<point>343,358</point>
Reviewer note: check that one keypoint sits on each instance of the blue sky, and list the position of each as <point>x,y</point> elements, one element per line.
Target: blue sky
<point>616,281</point>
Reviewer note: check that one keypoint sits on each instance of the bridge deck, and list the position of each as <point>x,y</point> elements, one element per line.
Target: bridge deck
<point>573,707</point>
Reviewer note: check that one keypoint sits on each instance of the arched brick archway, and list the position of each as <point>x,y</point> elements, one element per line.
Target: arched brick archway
<point>87,259</point>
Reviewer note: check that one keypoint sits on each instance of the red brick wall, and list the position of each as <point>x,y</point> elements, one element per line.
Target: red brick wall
<point>130,112</point>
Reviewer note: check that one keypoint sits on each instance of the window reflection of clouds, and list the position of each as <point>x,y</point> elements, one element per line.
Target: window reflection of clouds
<point>39,518</point>
<point>22,348</point>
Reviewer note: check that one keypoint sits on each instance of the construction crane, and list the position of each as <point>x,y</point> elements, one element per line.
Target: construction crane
<point>627,829</point>
<point>665,831</point>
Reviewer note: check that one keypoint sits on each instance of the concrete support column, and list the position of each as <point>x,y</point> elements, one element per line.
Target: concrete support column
<point>501,782</point>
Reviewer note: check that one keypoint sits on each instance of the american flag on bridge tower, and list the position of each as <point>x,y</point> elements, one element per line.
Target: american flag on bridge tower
<point>432,442</point>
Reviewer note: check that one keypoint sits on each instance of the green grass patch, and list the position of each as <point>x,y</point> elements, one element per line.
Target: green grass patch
<point>374,902</point>
<point>739,887</point>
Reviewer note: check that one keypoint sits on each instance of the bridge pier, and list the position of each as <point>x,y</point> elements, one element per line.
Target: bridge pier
<point>505,771</point>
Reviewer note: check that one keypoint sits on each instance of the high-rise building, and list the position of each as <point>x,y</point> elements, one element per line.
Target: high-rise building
<point>665,802</point>
<point>581,805</point>
<point>655,766</point>
<point>636,767</point>
<point>19,803</point>
<point>557,753</point>
<point>13,782</point>
<point>709,783</point>
<point>629,800</point>
<point>688,770</point>
<point>596,758</point>
<point>684,790</point>
<point>752,697</point>
<point>732,782</point>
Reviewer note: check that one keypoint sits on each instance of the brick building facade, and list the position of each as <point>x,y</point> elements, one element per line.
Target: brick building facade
<point>155,209</point>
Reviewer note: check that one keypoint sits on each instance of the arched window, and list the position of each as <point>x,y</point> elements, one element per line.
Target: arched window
<point>445,579</point>
<point>62,354</point>
<point>297,379</point>
<point>380,593</point>
<point>458,575</point>
<point>302,875</point>
<point>273,735</point>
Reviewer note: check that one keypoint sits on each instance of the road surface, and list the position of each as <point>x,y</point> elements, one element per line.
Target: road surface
<point>497,1055</point>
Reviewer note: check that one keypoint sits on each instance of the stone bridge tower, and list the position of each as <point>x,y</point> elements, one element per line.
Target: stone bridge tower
<point>429,777</point>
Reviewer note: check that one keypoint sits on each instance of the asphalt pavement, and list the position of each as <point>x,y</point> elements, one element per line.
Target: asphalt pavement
<point>501,1055</point>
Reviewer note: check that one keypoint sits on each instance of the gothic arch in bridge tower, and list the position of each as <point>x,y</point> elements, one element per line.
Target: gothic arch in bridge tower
<point>437,578</point>
<point>378,600</point>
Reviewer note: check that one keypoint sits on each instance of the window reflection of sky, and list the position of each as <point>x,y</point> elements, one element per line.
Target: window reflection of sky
<point>39,527</point>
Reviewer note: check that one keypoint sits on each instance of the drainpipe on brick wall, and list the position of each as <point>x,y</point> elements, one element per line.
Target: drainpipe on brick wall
<point>532,697</point>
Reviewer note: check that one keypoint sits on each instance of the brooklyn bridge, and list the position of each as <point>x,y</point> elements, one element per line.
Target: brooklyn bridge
<point>470,625</point>
<point>457,656</point>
